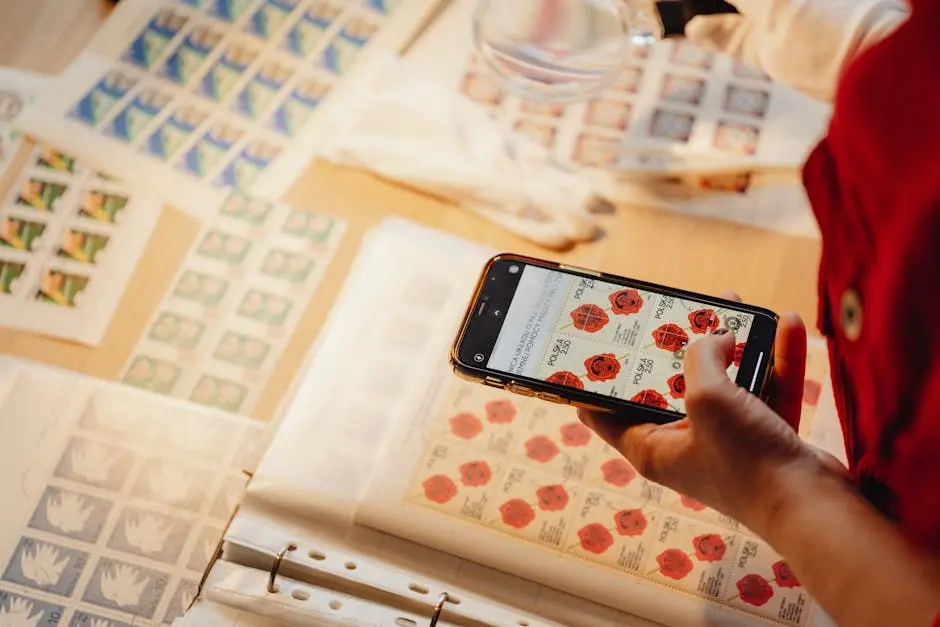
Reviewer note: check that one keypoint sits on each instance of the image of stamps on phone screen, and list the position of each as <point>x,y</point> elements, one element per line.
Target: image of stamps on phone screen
<point>82,246</point>
<point>608,113</point>
<point>98,103</point>
<point>747,101</point>
<point>313,227</point>
<point>54,159</point>
<point>246,208</point>
<point>270,17</point>
<point>657,380</point>
<point>288,266</point>
<point>585,365</point>
<point>141,588</point>
<point>681,88</point>
<point>152,374</point>
<point>210,149</point>
<point>34,611</point>
<point>61,288</point>
<point>242,350</point>
<point>259,93</point>
<point>736,137</point>
<point>482,88</point>
<point>201,288</point>
<point>103,206</point>
<point>265,308</point>
<point>629,81</point>
<point>687,54</point>
<point>191,54</point>
<point>40,194</point>
<point>45,566</point>
<point>340,54</point>
<point>248,163</point>
<point>174,131</point>
<point>225,72</point>
<point>154,39</point>
<point>135,118</point>
<point>10,272</point>
<point>671,125</point>
<point>308,32</point>
<point>298,107</point>
<point>606,313</point>
<point>20,233</point>
<point>220,393</point>
<point>177,331</point>
<point>596,151</point>
<point>537,132</point>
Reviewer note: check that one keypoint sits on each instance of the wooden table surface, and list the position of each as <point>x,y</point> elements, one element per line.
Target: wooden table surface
<point>766,268</point>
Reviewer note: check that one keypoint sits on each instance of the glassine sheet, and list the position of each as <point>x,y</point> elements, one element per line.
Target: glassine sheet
<point>316,470</point>
<point>70,238</point>
<point>234,304</point>
<point>682,129</point>
<point>192,98</point>
<point>115,501</point>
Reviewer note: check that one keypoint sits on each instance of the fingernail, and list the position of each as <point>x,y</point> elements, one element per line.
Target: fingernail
<point>719,331</point>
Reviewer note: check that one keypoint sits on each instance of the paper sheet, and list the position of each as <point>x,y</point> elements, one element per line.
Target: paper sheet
<point>234,304</point>
<point>191,98</point>
<point>315,472</point>
<point>115,499</point>
<point>732,139</point>
<point>70,238</point>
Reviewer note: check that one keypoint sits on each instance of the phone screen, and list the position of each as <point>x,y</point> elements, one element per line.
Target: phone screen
<point>610,339</point>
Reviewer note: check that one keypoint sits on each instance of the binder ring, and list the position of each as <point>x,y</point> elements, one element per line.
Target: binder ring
<point>276,566</point>
<point>438,608</point>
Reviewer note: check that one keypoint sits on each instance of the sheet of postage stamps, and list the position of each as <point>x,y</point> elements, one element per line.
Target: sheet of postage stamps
<point>218,92</point>
<point>529,470</point>
<point>124,503</point>
<point>234,304</point>
<point>70,239</point>
<point>672,99</point>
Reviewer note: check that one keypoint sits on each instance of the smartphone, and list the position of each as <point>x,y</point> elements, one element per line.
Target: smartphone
<point>598,341</point>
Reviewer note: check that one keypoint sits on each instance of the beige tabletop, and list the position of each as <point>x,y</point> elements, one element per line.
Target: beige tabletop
<point>766,268</point>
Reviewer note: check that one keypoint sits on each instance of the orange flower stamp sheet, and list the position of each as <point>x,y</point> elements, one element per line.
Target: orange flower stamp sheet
<point>521,485</point>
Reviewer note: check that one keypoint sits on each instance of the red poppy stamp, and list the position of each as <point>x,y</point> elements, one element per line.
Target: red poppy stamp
<point>695,557</point>
<point>763,583</point>
<point>553,441</point>
<point>614,531</point>
<point>457,481</point>
<point>481,418</point>
<point>535,506</point>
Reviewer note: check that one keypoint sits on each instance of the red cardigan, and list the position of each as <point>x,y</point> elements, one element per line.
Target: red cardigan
<point>874,183</point>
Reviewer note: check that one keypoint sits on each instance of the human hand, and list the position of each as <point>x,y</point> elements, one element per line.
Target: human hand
<point>804,43</point>
<point>732,452</point>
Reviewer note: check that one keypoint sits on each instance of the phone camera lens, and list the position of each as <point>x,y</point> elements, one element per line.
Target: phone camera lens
<point>479,357</point>
<point>513,269</point>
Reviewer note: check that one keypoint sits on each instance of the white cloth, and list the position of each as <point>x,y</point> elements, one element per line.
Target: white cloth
<point>803,43</point>
<point>407,128</point>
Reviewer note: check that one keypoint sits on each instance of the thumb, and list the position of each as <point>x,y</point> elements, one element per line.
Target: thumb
<point>706,365</point>
<point>728,33</point>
